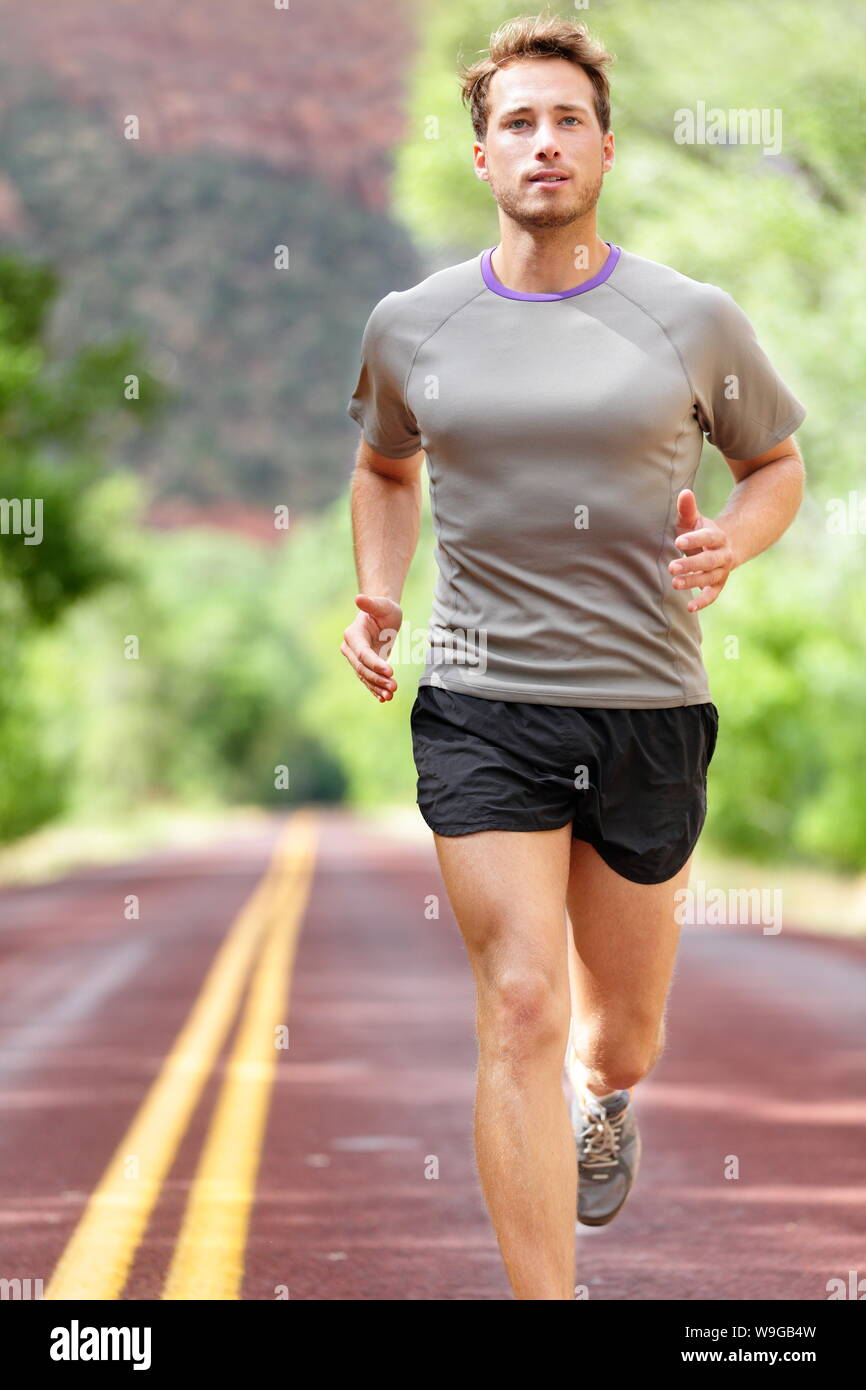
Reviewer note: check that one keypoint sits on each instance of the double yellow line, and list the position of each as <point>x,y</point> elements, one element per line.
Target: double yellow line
<point>208,1259</point>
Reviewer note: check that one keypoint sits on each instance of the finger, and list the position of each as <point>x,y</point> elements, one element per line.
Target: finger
<point>377,694</point>
<point>367,603</point>
<point>707,596</point>
<point>711,558</point>
<point>687,506</point>
<point>696,581</point>
<point>691,540</point>
<point>373,662</point>
<point>378,684</point>
<point>703,559</point>
<point>372,689</point>
<point>362,659</point>
<point>698,566</point>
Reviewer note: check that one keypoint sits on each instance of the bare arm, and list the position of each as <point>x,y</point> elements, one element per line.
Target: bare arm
<point>765,500</point>
<point>386,519</point>
<point>760,508</point>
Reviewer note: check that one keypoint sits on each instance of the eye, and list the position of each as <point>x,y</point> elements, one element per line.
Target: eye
<point>573,118</point>
<point>516,122</point>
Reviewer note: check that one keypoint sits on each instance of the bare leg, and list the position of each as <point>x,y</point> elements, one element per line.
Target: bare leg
<point>624,941</point>
<point>507,889</point>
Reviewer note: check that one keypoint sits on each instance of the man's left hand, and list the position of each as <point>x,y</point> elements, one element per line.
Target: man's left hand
<point>709,558</point>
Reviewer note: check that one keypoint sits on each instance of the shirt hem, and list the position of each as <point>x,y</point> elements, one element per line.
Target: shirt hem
<point>600,699</point>
<point>791,425</point>
<point>390,451</point>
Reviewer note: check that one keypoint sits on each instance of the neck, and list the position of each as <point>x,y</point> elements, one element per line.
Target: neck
<point>534,263</point>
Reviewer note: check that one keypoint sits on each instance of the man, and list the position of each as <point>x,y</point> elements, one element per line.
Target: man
<point>560,387</point>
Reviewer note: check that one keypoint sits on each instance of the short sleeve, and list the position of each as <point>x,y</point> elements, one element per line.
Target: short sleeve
<point>741,403</point>
<point>378,402</point>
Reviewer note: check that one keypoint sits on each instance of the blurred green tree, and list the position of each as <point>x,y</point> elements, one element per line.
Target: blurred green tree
<point>56,416</point>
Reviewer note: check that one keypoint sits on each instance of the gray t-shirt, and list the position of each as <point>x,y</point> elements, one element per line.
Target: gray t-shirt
<point>559,429</point>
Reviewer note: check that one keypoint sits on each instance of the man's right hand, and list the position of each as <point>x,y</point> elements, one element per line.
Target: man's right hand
<point>369,639</point>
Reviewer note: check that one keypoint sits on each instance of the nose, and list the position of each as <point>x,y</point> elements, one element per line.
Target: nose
<point>547,142</point>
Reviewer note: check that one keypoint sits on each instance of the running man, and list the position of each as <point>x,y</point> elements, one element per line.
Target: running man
<point>560,388</point>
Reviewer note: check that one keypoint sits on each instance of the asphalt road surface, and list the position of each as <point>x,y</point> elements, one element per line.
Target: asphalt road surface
<point>246,1072</point>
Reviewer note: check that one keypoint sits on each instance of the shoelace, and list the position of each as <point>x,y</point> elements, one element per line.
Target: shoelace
<point>600,1139</point>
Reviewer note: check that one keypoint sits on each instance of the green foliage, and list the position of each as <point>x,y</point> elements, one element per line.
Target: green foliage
<point>786,666</point>
<point>55,549</point>
<point>192,680</point>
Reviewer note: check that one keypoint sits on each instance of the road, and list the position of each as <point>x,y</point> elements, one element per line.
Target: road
<point>246,1072</point>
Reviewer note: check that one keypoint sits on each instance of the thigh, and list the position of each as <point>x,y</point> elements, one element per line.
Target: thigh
<point>508,890</point>
<point>626,937</point>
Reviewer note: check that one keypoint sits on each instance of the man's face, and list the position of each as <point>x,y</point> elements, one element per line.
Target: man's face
<point>542,116</point>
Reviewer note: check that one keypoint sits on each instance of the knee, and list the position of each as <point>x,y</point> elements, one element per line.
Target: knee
<point>522,1012</point>
<point>626,1072</point>
<point>623,1054</point>
<point>624,1069</point>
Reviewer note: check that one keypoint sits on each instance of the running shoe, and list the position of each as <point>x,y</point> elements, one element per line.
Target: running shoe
<point>608,1153</point>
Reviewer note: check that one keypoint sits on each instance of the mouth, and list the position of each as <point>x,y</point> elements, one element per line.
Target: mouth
<point>549,178</point>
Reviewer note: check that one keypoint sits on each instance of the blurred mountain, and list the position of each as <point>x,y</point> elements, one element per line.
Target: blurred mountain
<point>255,128</point>
<point>310,89</point>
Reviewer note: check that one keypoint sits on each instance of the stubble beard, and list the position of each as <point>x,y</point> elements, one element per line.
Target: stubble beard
<point>516,203</point>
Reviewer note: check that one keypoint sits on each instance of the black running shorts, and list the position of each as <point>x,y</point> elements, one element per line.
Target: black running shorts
<point>633,782</point>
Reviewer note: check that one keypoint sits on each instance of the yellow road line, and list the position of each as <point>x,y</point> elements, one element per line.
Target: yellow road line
<point>208,1260</point>
<point>98,1256</point>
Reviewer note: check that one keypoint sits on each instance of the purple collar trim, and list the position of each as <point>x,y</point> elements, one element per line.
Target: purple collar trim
<point>492,283</point>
